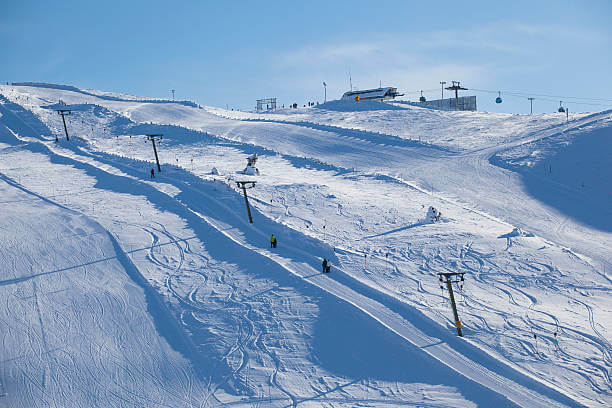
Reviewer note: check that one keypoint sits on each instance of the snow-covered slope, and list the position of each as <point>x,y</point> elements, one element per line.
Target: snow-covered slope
<point>263,327</point>
<point>76,314</point>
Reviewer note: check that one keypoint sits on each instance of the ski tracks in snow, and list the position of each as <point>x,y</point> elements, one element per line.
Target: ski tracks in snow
<point>346,290</point>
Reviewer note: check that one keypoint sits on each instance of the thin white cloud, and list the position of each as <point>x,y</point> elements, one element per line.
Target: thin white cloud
<point>499,37</point>
<point>387,60</point>
<point>476,56</point>
<point>331,53</point>
<point>559,33</point>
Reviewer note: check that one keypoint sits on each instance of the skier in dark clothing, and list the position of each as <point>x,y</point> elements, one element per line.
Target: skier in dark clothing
<point>326,266</point>
<point>152,173</point>
<point>273,241</point>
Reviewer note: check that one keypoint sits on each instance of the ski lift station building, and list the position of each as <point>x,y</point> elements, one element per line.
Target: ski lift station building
<point>377,94</point>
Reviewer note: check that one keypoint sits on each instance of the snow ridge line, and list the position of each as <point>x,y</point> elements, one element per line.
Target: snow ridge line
<point>101,96</point>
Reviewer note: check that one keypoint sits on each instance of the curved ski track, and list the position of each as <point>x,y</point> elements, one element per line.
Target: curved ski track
<point>375,305</point>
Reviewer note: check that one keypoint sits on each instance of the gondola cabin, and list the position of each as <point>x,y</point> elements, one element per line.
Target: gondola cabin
<point>498,99</point>
<point>561,108</point>
<point>422,99</point>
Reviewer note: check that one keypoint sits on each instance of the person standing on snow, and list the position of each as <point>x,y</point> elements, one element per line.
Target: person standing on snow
<point>152,173</point>
<point>273,241</point>
<point>324,265</point>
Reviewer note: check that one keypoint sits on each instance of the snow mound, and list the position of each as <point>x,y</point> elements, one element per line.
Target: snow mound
<point>433,214</point>
<point>517,232</point>
<point>251,171</point>
<point>351,106</point>
<point>568,171</point>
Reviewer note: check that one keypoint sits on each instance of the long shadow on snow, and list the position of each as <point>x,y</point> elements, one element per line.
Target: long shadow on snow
<point>178,135</point>
<point>339,336</point>
<point>446,335</point>
<point>78,110</point>
<point>165,324</point>
<point>360,348</point>
<point>340,345</point>
<point>583,158</point>
<point>424,149</point>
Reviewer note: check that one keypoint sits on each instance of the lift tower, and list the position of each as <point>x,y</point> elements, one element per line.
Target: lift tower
<point>153,138</point>
<point>531,105</point>
<point>450,278</point>
<point>64,112</point>
<point>243,185</point>
<point>456,87</point>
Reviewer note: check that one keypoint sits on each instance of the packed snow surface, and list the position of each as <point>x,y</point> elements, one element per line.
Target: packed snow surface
<point>125,290</point>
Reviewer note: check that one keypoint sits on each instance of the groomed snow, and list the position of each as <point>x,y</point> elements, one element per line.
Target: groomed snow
<point>235,322</point>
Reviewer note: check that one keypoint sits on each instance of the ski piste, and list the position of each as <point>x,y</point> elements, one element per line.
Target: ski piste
<point>153,228</point>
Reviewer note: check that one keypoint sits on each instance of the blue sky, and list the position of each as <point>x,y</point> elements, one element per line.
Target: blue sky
<point>233,52</point>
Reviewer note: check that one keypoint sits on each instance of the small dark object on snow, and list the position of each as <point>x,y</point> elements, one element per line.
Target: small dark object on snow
<point>326,266</point>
